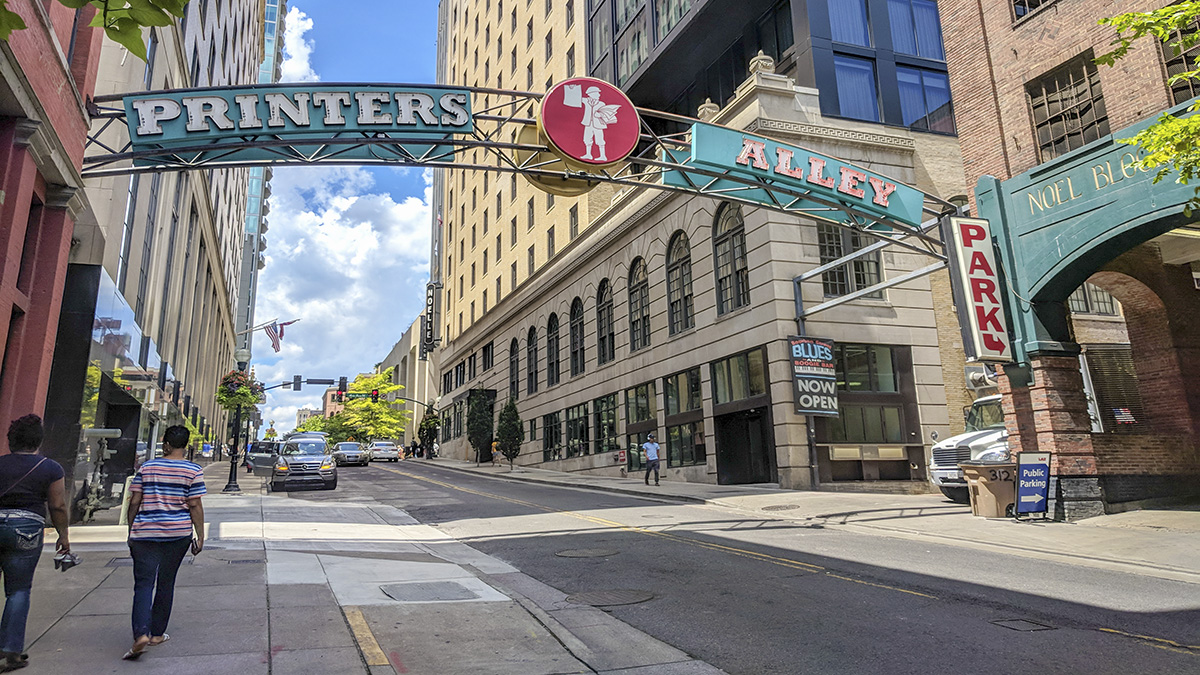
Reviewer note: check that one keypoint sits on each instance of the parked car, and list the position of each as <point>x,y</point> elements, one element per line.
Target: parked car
<point>350,452</point>
<point>304,460</point>
<point>261,455</point>
<point>384,450</point>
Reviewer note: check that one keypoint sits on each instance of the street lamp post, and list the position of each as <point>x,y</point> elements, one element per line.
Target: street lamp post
<point>242,356</point>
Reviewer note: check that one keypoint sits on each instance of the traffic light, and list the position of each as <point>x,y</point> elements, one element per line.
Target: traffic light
<point>341,384</point>
<point>340,396</point>
<point>374,396</point>
<point>296,382</point>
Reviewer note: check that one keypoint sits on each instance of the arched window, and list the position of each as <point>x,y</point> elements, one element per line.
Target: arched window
<point>552,352</point>
<point>577,353</point>
<point>514,369</point>
<point>605,339</point>
<point>729,248</point>
<point>531,374</point>
<point>639,306</point>
<point>679,283</point>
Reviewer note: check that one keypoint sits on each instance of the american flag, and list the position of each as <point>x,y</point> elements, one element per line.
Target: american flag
<point>275,332</point>
<point>1123,416</point>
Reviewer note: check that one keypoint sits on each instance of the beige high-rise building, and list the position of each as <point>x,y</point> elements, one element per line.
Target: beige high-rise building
<point>416,376</point>
<point>497,230</point>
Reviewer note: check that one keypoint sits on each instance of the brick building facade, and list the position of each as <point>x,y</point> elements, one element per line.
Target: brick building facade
<point>1031,107</point>
<point>47,73</point>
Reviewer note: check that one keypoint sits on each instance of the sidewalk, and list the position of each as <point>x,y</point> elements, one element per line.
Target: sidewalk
<point>1158,542</point>
<point>299,587</point>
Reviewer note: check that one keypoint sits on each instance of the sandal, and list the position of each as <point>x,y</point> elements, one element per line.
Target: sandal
<point>139,647</point>
<point>156,641</point>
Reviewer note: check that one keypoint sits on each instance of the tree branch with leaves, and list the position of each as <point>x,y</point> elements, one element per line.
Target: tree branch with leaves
<point>122,20</point>
<point>1171,143</point>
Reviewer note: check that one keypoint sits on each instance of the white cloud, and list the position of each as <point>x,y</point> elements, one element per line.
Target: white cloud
<point>352,263</point>
<point>297,51</point>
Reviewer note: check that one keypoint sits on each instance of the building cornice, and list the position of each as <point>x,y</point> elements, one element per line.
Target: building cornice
<point>770,127</point>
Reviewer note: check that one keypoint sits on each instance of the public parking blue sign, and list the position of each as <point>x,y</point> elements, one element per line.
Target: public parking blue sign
<point>1033,482</point>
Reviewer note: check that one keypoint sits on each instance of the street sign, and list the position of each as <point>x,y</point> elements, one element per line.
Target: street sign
<point>1033,482</point>
<point>352,394</point>
<point>589,122</point>
<point>975,282</point>
<point>814,375</point>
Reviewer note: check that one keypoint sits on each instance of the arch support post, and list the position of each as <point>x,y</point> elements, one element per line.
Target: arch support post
<point>1051,415</point>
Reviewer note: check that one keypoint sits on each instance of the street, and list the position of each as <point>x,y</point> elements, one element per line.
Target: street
<point>758,595</point>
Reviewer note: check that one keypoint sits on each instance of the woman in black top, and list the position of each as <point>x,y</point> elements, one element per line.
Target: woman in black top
<point>28,482</point>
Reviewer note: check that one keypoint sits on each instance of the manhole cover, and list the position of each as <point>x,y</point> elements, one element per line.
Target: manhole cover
<point>430,591</point>
<point>610,598</point>
<point>781,507</point>
<point>1022,625</point>
<point>587,553</point>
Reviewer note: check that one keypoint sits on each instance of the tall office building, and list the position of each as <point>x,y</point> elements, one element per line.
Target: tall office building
<point>160,292</point>
<point>255,241</point>
<point>670,313</point>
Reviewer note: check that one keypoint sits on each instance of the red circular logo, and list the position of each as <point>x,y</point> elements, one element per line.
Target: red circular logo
<point>589,121</point>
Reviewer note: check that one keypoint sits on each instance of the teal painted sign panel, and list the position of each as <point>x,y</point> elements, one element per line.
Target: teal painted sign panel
<point>746,155</point>
<point>1058,223</point>
<point>222,117</point>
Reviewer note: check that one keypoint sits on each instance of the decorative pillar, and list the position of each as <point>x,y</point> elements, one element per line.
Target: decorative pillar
<point>1061,425</point>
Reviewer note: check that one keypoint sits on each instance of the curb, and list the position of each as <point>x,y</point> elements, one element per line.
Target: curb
<point>1173,573</point>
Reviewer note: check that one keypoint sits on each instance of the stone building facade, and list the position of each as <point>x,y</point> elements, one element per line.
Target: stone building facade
<point>416,376</point>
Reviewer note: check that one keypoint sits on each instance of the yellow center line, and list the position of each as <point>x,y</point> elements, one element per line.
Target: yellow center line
<point>365,638</point>
<point>1162,643</point>
<point>763,557</point>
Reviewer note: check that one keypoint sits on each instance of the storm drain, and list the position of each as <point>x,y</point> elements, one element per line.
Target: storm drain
<point>429,591</point>
<point>1022,625</point>
<point>587,553</point>
<point>610,598</point>
<point>781,507</point>
<point>252,561</point>
<point>128,562</point>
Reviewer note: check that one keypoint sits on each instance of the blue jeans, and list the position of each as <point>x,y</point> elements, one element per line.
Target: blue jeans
<point>20,547</point>
<point>155,564</point>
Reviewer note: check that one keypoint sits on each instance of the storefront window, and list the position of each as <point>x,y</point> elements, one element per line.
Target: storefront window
<point>577,430</point>
<point>683,391</point>
<point>865,368</point>
<point>685,444</point>
<point>739,377</point>
<point>605,422</point>
<point>551,437</point>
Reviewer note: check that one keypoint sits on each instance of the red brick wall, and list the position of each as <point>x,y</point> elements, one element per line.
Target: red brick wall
<point>990,59</point>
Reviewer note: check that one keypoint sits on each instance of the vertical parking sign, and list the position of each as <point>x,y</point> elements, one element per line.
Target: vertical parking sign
<point>1033,482</point>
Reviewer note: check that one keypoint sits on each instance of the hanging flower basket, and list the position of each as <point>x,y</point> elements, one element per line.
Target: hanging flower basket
<point>237,389</point>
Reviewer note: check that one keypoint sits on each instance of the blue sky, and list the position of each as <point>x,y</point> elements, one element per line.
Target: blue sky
<point>348,247</point>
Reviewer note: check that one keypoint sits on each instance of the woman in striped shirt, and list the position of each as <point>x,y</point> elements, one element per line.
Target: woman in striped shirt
<point>164,512</point>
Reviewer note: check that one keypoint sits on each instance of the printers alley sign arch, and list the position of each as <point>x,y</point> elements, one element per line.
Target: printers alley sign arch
<point>484,129</point>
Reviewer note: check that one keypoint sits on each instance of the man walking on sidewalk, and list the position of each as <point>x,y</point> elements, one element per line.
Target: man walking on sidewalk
<point>164,512</point>
<point>651,449</point>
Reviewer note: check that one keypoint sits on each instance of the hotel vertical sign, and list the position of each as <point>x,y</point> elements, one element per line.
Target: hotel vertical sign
<point>428,320</point>
<point>975,278</point>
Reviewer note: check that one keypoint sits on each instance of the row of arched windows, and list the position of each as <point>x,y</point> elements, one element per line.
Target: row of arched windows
<point>732,286</point>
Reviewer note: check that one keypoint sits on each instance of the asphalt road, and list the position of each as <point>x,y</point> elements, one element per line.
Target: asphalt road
<point>757,595</point>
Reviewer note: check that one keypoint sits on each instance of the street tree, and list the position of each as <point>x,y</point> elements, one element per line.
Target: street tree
<point>480,424</point>
<point>122,20</point>
<point>510,432</point>
<point>428,431</point>
<point>1171,143</point>
<point>374,420</point>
